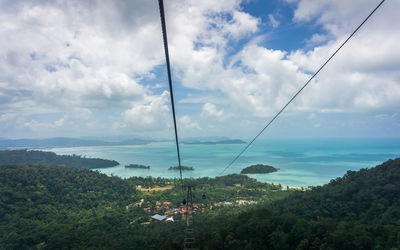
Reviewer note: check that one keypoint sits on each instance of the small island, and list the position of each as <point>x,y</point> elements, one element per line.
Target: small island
<point>184,168</point>
<point>137,166</point>
<point>259,169</point>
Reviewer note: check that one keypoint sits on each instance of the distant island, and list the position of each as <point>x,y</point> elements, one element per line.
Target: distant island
<point>184,168</point>
<point>137,166</point>
<point>23,157</point>
<point>57,142</point>
<point>68,142</point>
<point>228,141</point>
<point>259,169</point>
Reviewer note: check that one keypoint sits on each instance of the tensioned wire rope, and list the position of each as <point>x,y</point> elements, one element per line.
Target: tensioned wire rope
<point>300,90</point>
<point>164,32</point>
<point>188,238</point>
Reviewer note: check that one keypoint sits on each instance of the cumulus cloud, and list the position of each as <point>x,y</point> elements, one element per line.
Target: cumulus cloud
<point>316,39</point>
<point>153,114</point>
<point>61,56</point>
<point>258,80</point>
<point>186,122</point>
<point>210,109</point>
<point>339,16</point>
<point>92,62</point>
<point>365,74</point>
<point>241,24</point>
<point>77,53</point>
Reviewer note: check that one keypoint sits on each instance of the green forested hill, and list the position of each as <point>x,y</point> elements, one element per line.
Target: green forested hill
<point>23,156</point>
<point>358,211</point>
<point>370,196</point>
<point>55,207</point>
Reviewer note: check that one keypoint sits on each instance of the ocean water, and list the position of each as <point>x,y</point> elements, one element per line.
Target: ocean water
<point>301,163</point>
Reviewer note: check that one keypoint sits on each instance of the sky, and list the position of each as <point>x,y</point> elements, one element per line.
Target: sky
<point>97,68</point>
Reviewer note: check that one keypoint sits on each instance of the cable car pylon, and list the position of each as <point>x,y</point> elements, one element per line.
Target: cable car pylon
<point>189,240</point>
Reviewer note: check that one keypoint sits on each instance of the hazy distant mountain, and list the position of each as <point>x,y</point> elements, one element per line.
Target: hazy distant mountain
<point>212,140</point>
<point>206,138</point>
<point>66,142</point>
<point>118,138</point>
<point>106,141</point>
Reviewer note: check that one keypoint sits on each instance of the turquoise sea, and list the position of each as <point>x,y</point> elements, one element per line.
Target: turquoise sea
<point>302,163</point>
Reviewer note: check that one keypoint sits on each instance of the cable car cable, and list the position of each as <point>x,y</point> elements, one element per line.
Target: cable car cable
<point>188,239</point>
<point>164,31</point>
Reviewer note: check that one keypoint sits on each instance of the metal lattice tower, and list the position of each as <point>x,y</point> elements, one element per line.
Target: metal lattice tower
<point>189,239</point>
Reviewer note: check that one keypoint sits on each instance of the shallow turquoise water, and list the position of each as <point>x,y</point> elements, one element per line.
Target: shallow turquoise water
<point>302,163</point>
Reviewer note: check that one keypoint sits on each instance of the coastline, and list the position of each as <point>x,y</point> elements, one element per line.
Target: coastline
<point>301,163</point>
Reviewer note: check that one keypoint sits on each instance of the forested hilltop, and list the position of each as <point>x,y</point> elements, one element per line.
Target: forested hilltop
<point>22,157</point>
<point>360,210</point>
<point>55,207</point>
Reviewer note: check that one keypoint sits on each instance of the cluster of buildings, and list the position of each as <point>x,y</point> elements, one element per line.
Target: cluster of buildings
<point>164,211</point>
<point>167,208</point>
<point>234,204</point>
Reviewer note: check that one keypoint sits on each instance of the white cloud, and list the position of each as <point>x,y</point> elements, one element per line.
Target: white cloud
<point>7,117</point>
<point>365,74</point>
<point>198,99</point>
<point>241,24</point>
<point>317,39</point>
<point>158,86</point>
<point>78,54</point>
<point>186,122</point>
<point>153,114</point>
<point>386,116</point>
<point>82,60</point>
<point>61,57</point>
<point>274,23</point>
<point>258,81</point>
<point>60,122</point>
<point>36,126</point>
<point>210,109</point>
<point>260,85</point>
